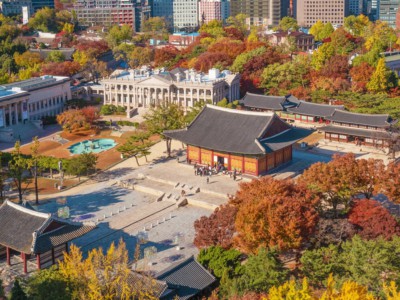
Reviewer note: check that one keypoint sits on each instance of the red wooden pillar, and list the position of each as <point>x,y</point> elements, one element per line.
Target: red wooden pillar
<point>38,261</point>
<point>257,167</point>
<point>229,161</point>
<point>8,256</point>
<point>200,155</point>
<point>243,165</point>
<point>24,260</point>
<point>212,159</point>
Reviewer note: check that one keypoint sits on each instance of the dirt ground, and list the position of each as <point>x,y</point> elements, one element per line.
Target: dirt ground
<point>47,185</point>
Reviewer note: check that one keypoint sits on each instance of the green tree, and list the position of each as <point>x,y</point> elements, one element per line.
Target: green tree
<point>165,117</point>
<point>243,58</point>
<point>213,28</point>
<point>17,168</point>
<point>238,22</point>
<point>321,31</point>
<point>74,167</point>
<point>382,79</point>
<point>222,263</point>
<point>55,56</point>
<point>155,25</point>
<point>35,165</point>
<point>17,293</point>
<point>140,56</point>
<point>48,284</point>
<point>288,23</point>
<point>48,163</point>
<point>44,20</point>
<point>118,35</point>
<point>261,272</point>
<point>88,162</point>
<point>138,145</point>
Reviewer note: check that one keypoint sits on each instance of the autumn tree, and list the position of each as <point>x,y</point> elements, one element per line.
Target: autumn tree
<point>91,114</point>
<point>103,275</point>
<point>321,31</point>
<point>348,290</point>
<point>390,182</point>
<point>217,229</point>
<point>332,231</point>
<point>382,79</point>
<point>373,220</point>
<point>44,20</point>
<point>55,56</point>
<point>119,34</point>
<point>208,60</point>
<point>73,120</point>
<point>360,76</point>
<point>162,118</point>
<point>27,59</point>
<point>291,290</point>
<point>140,56</point>
<point>66,68</point>
<point>274,213</point>
<point>163,55</point>
<point>288,23</point>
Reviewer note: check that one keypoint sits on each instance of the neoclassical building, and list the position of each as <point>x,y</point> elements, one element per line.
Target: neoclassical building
<point>145,87</point>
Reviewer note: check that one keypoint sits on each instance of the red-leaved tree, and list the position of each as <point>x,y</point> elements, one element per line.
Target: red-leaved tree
<point>274,213</point>
<point>373,220</point>
<point>390,182</point>
<point>217,229</point>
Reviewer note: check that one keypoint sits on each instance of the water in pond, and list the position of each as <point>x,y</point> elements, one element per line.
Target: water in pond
<point>92,146</point>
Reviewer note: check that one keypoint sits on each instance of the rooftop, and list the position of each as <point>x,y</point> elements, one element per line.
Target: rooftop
<point>315,109</point>
<point>276,103</point>
<point>236,131</point>
<point>29,231</point>
<point>35,83</point>
<point>341,116</point>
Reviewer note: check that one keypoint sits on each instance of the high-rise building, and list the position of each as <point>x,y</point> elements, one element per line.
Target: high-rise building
<point>105,12</point>
<point>14,7</point>
<point>261,12</point>
<point>39,4</point>
<point>186,15</point>
<point>356,7</point>
<point>213,10</point>
<point>388,10</point>
<point>310,11</point>
<point>164,9</point>
<point>142,13</point>
<point>374,12</point>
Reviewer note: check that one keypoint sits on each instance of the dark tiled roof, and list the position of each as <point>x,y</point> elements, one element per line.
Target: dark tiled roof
<point>227,130</point>
<point>60,236</point>
<point>314,109</point>
<point>360,119</point>
<point>188,277</point>
<point>24,229</point>
<point>178,70</point>
<point>17,225</point>
<point>283,140</point>
<point>263,101</point>
<point>368,133</point>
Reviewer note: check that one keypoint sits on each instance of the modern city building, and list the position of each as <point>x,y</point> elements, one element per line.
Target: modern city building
<point>146,87</point>
<point>261,12</point>
<point>387,11</point>
<point>186,15</point>
<point>14,7</point>
<point>142,13</point>
<point>213,10</point>
<point>310,11</point>
<point>39,4</point>
<point>105,12</point>
<point>356,7</point>
<point>374,11</point>
<point>33,99</point>
<point>164,9</point>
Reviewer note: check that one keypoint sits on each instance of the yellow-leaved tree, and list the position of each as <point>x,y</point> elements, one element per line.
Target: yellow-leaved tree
<point>349,290</point>
<point>105,275</point>
<point>290,290</point>
<point>391,291</point>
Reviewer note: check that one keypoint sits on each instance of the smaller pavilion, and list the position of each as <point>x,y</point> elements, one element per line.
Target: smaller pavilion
<point>34,234</point>
<point>360,129</point>
<point>250,142</point>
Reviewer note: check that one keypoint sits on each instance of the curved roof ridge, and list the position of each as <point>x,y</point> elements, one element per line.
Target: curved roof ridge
<point>324,104</point>
<point>27,210</point>
<point>363,114</point>
<point>243,112</point>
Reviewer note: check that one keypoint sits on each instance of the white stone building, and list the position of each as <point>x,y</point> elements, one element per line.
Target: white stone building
<point>145,87</point>
<point>33,99</point>
<point>185,14</point>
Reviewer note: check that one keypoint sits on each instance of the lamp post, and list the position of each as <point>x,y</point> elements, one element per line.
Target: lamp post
<point>61,173</point>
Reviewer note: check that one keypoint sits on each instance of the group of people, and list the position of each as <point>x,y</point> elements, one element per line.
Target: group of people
<point>208,171</point>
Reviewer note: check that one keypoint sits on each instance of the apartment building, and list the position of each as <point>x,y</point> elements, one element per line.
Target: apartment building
<point>164,9</point>
<point>213,10</point>
<point>310,11</point>
<point>14,7</point>
<point>39,4</point>
<point>387,11</point>
<point>105,12</point>
<point>261,12</point>
<point>186,15</point>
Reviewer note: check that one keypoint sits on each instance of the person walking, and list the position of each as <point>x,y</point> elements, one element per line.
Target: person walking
<point>208,179</point>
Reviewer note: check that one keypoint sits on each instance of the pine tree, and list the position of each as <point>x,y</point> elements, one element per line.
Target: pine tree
<point>17,293</point>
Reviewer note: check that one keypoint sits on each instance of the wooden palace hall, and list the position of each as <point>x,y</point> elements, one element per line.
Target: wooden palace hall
<point>249,142</point>
<point>39,238</point>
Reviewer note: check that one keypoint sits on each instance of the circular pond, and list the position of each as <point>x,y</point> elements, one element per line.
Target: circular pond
<point>92,146</point>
